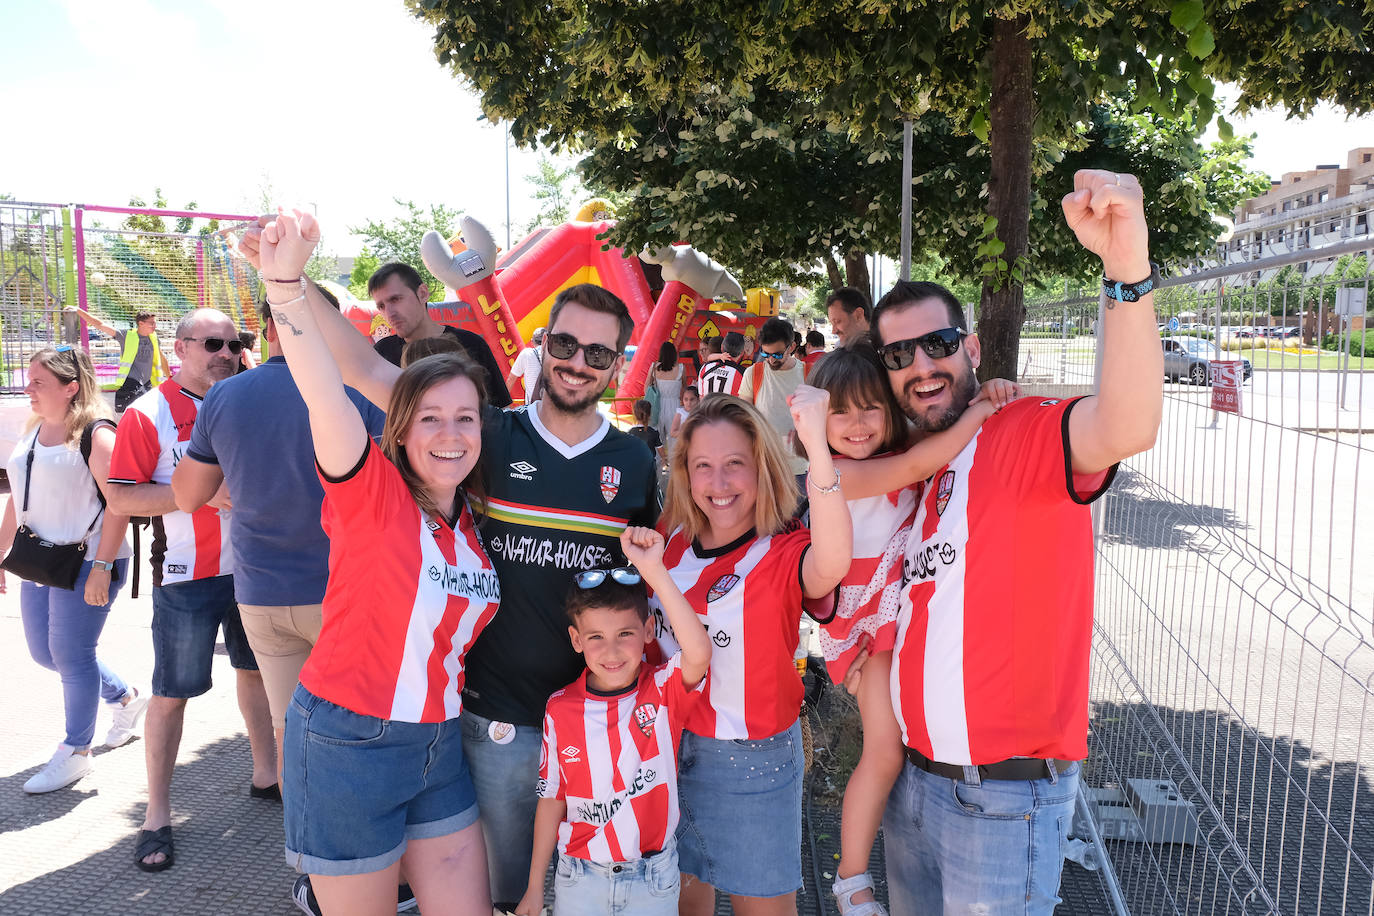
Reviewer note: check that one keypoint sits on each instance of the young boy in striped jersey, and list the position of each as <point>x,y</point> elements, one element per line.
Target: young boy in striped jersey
<point>608,772</point>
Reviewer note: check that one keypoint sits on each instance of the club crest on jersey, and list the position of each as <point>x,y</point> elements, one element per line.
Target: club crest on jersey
<point>722,587</point>
<point>610,483</point>
<point>944,490</point>
<point>645,713</point>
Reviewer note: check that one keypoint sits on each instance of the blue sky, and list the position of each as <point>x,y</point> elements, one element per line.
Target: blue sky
<point>338,104</point>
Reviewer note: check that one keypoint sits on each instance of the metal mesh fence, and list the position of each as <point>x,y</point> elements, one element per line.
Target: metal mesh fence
<point>1233,658</point>
<point>33,287</point>
<point>168,274</point>
<point>51,258</point>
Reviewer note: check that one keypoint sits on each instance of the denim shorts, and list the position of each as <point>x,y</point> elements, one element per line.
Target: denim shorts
<point>641,887</point>
<point>357,788</point>
<point>186,618</point>
<point>741,812</point>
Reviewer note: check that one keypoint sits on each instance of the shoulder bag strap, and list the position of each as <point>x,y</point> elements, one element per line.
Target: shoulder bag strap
<point>28,473</point>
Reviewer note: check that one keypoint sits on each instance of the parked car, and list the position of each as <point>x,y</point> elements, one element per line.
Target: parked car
<point>1190,358</point>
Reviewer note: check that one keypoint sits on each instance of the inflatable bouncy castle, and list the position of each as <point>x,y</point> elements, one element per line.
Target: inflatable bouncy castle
<point>674,293</point>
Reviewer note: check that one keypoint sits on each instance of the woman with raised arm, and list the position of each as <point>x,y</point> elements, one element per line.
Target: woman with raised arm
<point>374,773</point>
<point>744,565</point>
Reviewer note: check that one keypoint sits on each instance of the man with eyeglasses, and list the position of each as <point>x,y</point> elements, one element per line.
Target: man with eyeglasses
<point>193,583</point>
<point>562,484</point>
<point>774,378</point>
<point>990,668</point>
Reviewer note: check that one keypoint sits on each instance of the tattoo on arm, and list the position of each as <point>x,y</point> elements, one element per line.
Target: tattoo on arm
<point>283,322</point>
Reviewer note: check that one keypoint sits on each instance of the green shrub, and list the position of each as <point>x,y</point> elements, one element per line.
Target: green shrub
<point>1361,342</point>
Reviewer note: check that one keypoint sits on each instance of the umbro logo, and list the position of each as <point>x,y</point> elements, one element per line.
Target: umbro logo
<point>571,753</point>
<point>521,470</point>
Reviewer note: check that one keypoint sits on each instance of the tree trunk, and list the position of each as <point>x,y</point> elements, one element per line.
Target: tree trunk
<point>832,269</point>
<point>856,270</point>
<point>1011,117</point>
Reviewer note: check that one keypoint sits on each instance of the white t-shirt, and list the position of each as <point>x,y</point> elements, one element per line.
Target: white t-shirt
<point>526,365</point>
<point>776,387</point>
<point>62,501</point>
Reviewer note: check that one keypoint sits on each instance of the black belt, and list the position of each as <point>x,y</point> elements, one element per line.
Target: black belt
<point>1016,768</point>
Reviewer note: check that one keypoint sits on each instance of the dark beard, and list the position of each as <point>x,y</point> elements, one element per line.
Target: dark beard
<point>963,389</point>
<point>563,405</point>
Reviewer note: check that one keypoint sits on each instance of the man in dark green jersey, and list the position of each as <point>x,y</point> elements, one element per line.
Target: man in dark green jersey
<point>562,483</point>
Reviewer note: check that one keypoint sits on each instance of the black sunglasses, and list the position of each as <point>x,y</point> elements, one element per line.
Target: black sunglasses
<point>563,346</point>
<point>937,345</point>
<point>215,344</point>
<point>591,578</point>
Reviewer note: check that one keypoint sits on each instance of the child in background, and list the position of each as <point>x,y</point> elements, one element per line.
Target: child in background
<point>690,398</point>
<point>643,411</point>
<point>608,775</point>
<point>865,422</point>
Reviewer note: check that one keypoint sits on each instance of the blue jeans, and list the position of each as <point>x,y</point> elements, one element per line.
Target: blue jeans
<point>642,887</point>
<point>62,631</point>
<point>505,777</point>
<point>998,847</point>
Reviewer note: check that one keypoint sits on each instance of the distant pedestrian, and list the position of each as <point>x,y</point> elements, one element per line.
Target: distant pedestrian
<point>724,375</point>
<point>849,310</point>
<point>141,363</point>
<point>525,369</point>
<point>402,297</point>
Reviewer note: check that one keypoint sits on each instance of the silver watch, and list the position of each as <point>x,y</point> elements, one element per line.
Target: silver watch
<point>107,565</point>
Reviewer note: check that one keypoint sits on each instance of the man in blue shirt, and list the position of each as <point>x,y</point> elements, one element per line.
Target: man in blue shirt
<point>253,436</point>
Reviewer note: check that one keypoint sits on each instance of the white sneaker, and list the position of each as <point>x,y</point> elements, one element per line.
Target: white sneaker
<point>125,719</point>
<point>63,769</point>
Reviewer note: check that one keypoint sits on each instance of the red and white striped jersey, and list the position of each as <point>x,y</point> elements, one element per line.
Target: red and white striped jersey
<point>406,599</point>
<point>991,657</point>
<point>720,376</point>
<point>613,760</point>
<point>152,437</point>
<point>867,599</point>
<point>748,595</point>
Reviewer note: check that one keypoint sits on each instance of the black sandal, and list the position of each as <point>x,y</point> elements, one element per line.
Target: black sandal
<point>268,793</point>
<point>151,842</point>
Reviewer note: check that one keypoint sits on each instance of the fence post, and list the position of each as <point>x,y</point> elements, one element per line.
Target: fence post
<point>200,274</point>
<point>69,298</point>
<point>1064,337</point>
<point>80,262</point>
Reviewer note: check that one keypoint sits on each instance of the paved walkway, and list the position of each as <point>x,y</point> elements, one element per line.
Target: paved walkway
<point>71,851</point>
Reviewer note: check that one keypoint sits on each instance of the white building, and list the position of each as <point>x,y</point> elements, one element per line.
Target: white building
<point>1307,210</point>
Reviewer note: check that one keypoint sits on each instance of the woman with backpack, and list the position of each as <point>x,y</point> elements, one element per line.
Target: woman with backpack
<point>57,473</point>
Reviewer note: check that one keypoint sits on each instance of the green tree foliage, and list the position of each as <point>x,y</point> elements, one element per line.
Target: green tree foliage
<point>556,190</point>
<point>772,201</point>
<point>398,239</point>
<point>1017,79</point>
<point>364,266</point>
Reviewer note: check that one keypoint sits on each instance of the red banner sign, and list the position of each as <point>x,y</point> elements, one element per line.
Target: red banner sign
<point>1227,375</point>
